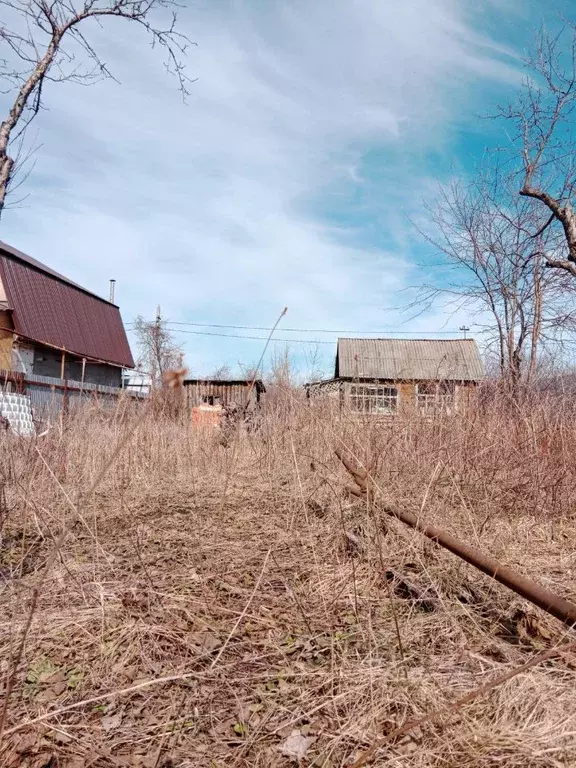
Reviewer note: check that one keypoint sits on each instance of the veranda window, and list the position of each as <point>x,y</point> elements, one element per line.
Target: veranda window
<point>366,398</point>
<point>433,396</point>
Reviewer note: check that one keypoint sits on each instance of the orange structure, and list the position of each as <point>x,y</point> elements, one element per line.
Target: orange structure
<point>207,415</point>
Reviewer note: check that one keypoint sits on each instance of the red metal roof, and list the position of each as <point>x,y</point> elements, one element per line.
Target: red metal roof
<point>50,309</point>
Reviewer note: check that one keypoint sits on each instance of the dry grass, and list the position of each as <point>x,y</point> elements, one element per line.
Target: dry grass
<point>283,605</point>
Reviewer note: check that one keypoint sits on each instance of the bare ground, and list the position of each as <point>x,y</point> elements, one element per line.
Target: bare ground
<point>217,606</point>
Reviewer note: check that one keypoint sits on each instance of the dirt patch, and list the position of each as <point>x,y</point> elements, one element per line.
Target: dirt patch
<point>275,624</point>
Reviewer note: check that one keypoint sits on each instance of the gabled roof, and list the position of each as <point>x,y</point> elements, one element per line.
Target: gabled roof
<point>47,308</point>
<point>409,359</point>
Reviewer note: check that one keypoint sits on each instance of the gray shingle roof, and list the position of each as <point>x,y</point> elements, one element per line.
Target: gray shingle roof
<point>448,359</point>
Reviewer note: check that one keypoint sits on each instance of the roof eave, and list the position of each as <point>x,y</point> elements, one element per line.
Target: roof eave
<point>400,379</point>
<point>80,355</point>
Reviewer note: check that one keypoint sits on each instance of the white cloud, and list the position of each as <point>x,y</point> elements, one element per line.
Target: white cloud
<point>206,209</point>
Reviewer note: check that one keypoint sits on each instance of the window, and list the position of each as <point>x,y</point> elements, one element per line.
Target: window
<point>373,399</point>
<point>433,396</point>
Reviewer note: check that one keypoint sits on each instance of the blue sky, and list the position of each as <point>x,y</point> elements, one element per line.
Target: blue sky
<point>291,177</point>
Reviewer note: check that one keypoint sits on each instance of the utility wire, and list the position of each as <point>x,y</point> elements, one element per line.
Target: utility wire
<point>295,330</point>
<point>301,330</point>
<point>251,338</point>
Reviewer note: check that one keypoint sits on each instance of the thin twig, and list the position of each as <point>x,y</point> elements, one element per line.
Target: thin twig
<point>103,697</point>
<point>366,756</point>
<point>245,610</point>
<point>52,557</point>
<point>20,651</point>
<point>248,395</point>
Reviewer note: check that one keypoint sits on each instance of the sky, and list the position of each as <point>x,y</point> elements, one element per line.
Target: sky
<point>294,175</point>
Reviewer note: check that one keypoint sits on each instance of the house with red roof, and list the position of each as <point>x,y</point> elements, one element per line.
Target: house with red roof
<point>52,327</point>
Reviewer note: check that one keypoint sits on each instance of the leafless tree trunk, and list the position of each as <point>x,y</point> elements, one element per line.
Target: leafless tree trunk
<point>485,232</point>
<point>158,352</point>
<point>544,139</point>
<point>42,40</point>
<point>537,314</point>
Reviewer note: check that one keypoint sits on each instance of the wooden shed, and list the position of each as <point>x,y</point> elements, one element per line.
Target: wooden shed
<point>382,376</point>
<point>235,392</point>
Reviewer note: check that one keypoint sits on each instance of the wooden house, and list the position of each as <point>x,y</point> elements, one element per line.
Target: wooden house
<point>385,376</point>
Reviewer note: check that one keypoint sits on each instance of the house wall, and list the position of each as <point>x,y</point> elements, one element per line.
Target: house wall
<point>465,393</point>
<point>407,394</point>
<point>22,357</point>
<point>48,362</point>
<point>6,340</point>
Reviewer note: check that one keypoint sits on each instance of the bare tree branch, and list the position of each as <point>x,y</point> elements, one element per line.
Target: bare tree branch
<point>496,245</point>
<point>36,39</point>
<point>543,136</point>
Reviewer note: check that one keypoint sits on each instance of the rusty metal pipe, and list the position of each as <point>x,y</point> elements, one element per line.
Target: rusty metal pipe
<point>537,594</point>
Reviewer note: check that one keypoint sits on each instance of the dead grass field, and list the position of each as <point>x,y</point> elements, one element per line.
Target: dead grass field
<point>233,606</point>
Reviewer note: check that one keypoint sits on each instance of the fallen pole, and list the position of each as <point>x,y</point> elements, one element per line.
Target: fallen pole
<point>537,594</point>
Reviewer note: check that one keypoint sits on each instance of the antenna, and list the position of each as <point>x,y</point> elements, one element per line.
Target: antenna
<point>112,287</point>
<point>464,329</point>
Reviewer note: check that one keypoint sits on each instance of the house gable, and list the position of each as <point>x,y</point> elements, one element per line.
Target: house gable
<point>50,310</point>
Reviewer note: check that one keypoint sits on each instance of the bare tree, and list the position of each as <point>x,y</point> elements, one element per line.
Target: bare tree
<point>158,351</point>
<point>496,270</point>
<point>223,373</point>
<point>282,374</point>
<point>43,41</point>
<point>251,372</point>
<point>544,140</point>
<point>313,358</point>
<point>502,233</point>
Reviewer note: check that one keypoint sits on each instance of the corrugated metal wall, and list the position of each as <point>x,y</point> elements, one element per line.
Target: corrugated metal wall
<point>49,395</point>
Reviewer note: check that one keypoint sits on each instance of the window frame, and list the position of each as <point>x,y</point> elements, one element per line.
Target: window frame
<point>374,399</point>
<point>440,396</point>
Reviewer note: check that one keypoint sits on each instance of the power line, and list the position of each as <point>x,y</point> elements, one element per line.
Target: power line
<point>302,330</point>
<point>252,338</point>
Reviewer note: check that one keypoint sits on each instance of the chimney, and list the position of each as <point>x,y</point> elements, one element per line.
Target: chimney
<point>112,286</point>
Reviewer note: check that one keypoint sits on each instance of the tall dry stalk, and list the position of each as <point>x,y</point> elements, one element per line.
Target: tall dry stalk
<point>308,641</point>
